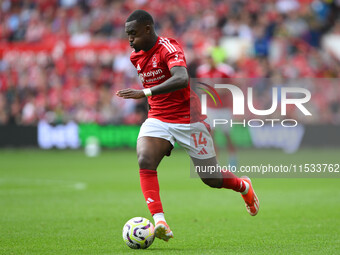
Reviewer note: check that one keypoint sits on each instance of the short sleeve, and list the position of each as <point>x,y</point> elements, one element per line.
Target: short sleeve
<point>133,58</point>
<point>174,55</point>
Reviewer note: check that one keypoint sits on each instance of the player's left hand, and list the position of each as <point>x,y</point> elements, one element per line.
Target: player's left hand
<point>130,93</point>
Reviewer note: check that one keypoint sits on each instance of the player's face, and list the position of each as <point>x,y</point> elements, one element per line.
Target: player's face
<point>137,34</point>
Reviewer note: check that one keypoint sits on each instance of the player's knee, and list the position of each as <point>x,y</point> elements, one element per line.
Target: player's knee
<point>145,162</point>
<point>213,182</point>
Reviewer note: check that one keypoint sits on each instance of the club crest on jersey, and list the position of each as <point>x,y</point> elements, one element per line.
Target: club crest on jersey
<point>154,61</point>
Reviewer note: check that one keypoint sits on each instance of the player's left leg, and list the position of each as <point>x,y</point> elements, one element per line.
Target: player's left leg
<point>217,179</point>
<point>197,141</point>
<point>228,180</point>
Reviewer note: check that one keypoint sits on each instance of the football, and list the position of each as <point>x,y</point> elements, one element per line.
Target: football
<point>138,233</point>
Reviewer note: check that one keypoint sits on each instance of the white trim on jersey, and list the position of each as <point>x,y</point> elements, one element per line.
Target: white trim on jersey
<point>171,46</point>
<point>160,42</point>
<point>166,43</point>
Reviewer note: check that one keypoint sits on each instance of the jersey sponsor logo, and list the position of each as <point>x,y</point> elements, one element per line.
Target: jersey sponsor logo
<point>151,73</point>
<point>176,61</point>
<point>156,79</point>
<point>154,61</point>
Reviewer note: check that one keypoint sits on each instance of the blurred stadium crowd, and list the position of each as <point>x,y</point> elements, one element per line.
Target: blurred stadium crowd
<point>63,60</point>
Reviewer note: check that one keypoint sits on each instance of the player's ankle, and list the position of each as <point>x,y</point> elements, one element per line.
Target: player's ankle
<point>158,217</point>
<point>245,192</point>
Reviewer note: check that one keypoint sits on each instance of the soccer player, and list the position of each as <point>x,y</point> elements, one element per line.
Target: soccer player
<point>220,71</point>
<point>161,66</point>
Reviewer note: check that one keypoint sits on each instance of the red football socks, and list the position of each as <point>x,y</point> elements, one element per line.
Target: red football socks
<point>231,181</point>
<point>150,189</point>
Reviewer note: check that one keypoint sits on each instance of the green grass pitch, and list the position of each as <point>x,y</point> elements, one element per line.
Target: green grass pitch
<point>61,202</point>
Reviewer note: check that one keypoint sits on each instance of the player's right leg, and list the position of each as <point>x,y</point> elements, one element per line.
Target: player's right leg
<point>150,152</point>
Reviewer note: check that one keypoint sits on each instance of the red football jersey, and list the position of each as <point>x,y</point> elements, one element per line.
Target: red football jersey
<point>153,67</point>
<point>219,72</point>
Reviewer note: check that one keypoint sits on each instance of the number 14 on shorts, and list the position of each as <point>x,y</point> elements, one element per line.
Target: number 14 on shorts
<point>200,141</point>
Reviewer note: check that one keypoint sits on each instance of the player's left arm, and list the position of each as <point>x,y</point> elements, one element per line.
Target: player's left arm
<point>179,79</point>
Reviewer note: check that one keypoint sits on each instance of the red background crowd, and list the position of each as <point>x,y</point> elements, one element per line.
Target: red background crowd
<point>63,60</point>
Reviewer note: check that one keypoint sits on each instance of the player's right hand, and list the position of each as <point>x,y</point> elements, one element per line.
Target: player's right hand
<point>130,93</point>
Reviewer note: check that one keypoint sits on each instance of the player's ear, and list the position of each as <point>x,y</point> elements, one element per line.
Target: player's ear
<point>148,29</point>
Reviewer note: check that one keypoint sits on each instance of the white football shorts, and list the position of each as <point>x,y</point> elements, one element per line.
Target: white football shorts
<point>194,137</point>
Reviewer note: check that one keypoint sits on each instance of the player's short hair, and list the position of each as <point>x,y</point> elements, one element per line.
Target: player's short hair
<point>140,16</point>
